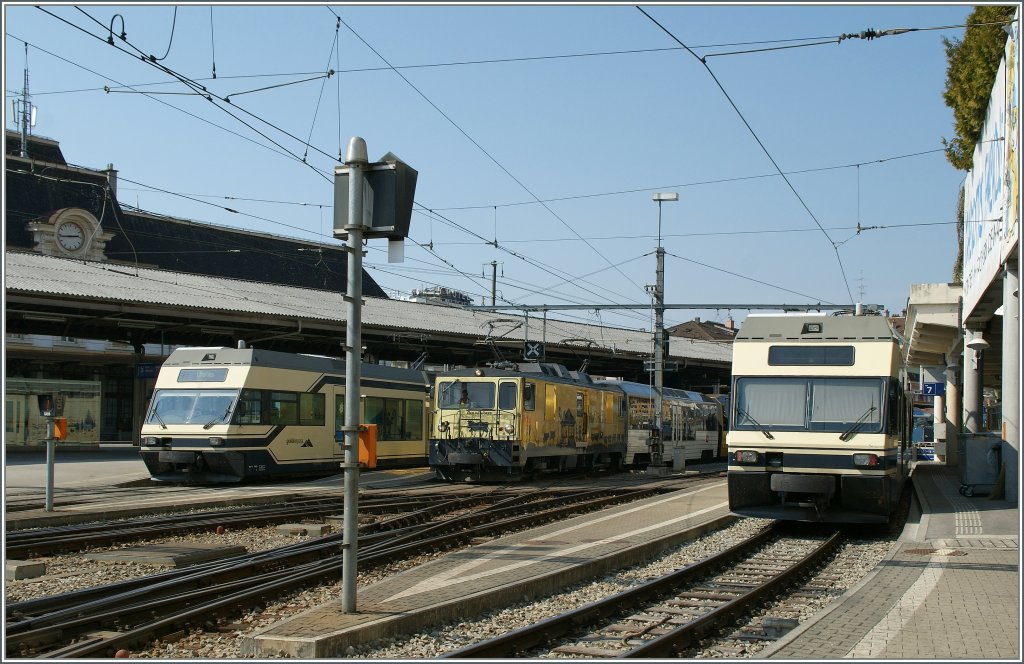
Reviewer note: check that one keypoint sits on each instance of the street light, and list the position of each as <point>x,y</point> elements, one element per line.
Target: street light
<point>657,445</point>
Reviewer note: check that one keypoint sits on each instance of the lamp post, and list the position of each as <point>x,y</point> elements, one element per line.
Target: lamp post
<point>657,444</point>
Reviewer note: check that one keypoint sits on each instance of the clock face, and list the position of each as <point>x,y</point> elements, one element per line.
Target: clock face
<point>71,236</point>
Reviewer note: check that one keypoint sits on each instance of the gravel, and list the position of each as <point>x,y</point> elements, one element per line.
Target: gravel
<point>73,571</point>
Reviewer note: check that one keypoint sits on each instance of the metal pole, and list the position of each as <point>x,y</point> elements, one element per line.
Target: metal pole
<point>356,160</point>
<point>1010,377</point>
<point>659,356</point>
<point>972,387</point>
<point>51,453</point>
<point>494,280</point>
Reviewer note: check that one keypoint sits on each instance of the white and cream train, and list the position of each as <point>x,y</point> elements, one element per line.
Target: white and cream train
<point>820,419</point>
<point>230,415</point>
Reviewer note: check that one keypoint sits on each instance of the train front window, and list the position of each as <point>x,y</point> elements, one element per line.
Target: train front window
<point>812,404</point>
<point>206,407</point>
<point>457,394</point>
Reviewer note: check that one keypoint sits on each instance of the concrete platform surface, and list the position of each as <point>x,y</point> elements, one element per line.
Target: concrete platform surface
<point>949,589</point>
<point>466,583</point>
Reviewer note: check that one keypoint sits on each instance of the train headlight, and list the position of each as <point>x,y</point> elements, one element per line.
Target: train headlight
<point>509,428</point>
<point>865,460</point>
<point>216,440</point>
<point>746,457</point>
<point>443,426</point>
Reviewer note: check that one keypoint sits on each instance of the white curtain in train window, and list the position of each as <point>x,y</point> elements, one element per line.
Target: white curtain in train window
<point>846,400</point>
<point>773,401</point>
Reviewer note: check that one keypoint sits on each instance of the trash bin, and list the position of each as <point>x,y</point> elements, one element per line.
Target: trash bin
<point>679,459</point>
<point>979,461</point>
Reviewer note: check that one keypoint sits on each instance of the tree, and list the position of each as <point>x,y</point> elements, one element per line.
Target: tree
<point>971,70</point>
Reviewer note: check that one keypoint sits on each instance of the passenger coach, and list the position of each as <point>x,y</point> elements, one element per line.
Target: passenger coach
<point>228,415</point>
<point>820,420</point>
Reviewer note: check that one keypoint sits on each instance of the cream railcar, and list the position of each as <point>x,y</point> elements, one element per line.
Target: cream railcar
<point>228,415</point>
<point>819,426</point>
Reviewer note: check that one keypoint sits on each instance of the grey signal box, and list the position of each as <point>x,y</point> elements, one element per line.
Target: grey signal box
<point>390,188</point>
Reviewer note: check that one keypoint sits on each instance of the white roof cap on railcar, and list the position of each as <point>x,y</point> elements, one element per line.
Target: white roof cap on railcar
<point>790,327</point>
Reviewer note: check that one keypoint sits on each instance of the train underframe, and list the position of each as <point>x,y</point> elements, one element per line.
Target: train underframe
<point>227,466</point>
<point>485,460</point>
<point>831,498</point>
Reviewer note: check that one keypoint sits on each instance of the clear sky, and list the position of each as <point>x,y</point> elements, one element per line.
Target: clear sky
<point>544,128</point>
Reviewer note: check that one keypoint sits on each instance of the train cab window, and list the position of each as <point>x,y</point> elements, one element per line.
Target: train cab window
<point>529,396</point>
<point>507,393</point>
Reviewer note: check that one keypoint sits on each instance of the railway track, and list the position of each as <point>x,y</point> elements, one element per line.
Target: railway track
<point>98,621</point>
<point>666,615</point>
<point>44,541</point>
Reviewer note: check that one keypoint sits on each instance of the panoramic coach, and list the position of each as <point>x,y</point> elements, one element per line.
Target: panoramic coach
<point>228,415</point>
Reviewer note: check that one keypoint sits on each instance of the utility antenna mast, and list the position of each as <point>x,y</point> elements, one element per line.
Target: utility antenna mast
<point>24,111</point>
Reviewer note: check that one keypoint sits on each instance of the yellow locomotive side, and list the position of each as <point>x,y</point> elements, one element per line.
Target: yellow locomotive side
<point>501,424</point>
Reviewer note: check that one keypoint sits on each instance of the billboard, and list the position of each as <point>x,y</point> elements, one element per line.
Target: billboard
<point>991,189</point>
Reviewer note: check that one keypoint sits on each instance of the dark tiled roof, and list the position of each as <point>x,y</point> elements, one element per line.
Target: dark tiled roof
<point>706,330</point>
<point>39,149</point>
<point>152,240</point>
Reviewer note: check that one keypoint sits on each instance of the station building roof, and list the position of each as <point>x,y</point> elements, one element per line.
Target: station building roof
<point>103,295</point>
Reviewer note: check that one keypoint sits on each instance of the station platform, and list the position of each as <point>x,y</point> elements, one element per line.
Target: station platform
<point>948,589</point>
<point>466,583</point>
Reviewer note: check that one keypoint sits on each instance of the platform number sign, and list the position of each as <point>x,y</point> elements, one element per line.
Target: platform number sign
<point>533,350</point>
<point>933,389</point>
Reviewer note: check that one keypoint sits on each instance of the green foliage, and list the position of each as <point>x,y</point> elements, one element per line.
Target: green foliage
<point>972,66</point>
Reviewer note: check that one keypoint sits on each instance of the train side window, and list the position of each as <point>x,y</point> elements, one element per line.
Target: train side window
<point>311,409</point>
<point>248,409</point>
<point>529,396</point>
<point>413,425</point>
<point>284,408</point>
<point>507,393</point>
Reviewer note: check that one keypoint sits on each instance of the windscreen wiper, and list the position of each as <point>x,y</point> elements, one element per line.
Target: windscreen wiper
<point>159,419</point>
<point>218,418</point>
<point>763,428</point>
<point>846,435</point>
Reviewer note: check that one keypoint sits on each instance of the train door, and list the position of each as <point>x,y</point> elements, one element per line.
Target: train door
<point>677,442</point>
<point>506,424</point>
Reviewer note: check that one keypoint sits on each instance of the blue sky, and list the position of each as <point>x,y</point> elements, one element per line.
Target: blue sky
<point>592,137</point>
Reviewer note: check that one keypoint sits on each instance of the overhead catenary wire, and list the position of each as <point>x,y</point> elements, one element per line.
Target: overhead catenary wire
<point>203,92</point>
<point>480,147</point>
<point>835,248</point>
<point>815,41</point>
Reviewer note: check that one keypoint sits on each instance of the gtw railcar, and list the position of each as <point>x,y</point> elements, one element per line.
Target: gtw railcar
<point>228,415</point>
<point>820,421</point>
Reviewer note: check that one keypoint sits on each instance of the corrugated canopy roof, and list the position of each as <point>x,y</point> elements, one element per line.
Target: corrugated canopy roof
<point>28,273</point>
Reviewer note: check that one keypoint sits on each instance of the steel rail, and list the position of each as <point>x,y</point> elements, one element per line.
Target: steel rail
<point>176,593</point>
<point>520,640</point>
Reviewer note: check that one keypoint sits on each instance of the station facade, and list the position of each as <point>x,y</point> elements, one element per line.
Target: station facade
<point>965,337</point>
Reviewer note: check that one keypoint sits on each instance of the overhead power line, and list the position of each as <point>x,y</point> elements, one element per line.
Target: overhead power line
<point>835,247</point>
